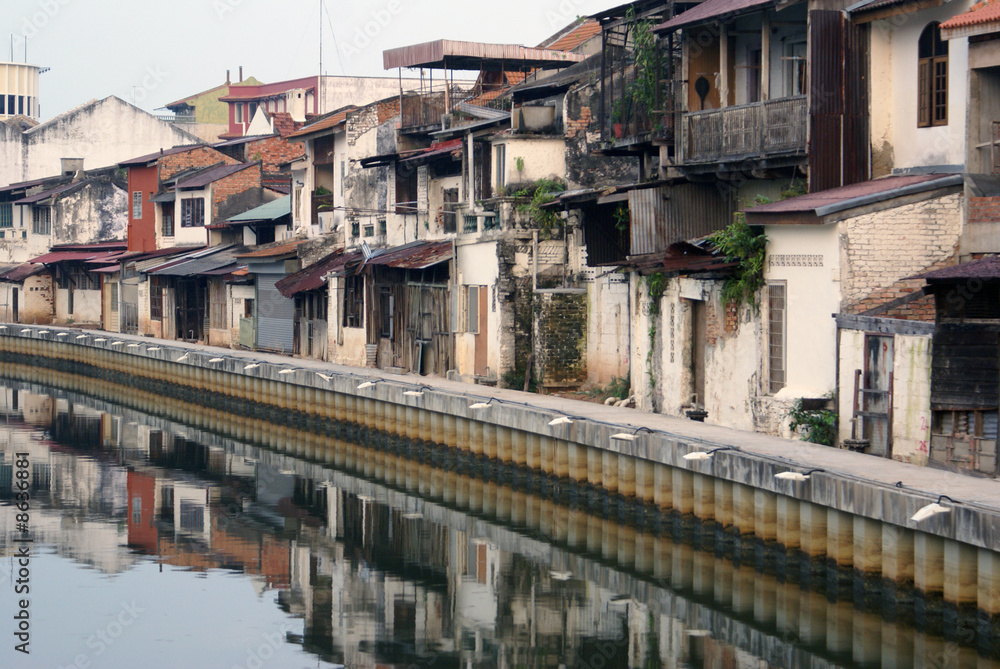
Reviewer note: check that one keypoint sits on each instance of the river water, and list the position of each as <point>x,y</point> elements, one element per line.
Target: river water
<point>151,543</point>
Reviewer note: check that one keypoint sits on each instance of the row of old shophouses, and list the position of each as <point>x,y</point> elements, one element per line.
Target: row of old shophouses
<point>550,215</point>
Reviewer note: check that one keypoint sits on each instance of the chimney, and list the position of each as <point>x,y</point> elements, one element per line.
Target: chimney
<point>241,73</point>
<point>71,166</point>
<point>227,78</point>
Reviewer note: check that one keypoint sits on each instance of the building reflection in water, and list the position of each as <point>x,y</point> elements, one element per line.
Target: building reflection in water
<point>380,584</point>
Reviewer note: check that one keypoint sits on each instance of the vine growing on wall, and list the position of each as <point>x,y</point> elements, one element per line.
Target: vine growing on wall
<point>744,245</point>
<point>656,285</point>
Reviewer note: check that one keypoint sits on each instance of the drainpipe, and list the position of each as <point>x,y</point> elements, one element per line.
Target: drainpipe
<point>534,261</point>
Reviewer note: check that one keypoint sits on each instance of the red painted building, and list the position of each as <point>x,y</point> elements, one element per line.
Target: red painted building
<point>296,97</point>
<point>142,532</point>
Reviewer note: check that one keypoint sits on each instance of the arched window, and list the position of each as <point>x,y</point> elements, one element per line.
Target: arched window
<point>932,77</point>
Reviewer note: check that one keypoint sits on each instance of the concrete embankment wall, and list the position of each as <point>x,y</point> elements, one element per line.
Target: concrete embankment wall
<point>855,524</point>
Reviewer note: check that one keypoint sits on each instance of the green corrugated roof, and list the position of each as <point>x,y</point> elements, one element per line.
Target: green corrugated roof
<point>266,212</point>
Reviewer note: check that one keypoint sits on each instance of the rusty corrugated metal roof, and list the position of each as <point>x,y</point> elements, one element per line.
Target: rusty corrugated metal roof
<point>707,11</point>
<point>273,251</point>
<point>22,272</point>
<point>152,157</point>
<point>415,255</point>
<point>311,277</point>
<point>983,268</point>
<point>843,197</point>
<point>456,55</point>
<point>323,124</point>
<point>202,179</point>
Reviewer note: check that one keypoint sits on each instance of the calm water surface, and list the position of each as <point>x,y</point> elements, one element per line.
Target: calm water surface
<point>155,544</point>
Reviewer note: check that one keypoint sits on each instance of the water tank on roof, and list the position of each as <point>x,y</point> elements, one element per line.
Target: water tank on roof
<point>19,90</point>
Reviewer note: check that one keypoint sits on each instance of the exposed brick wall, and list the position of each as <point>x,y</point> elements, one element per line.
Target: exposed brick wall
<point>361,122</point>
<point>984,209</point>
<point>273,151</point>
<point>920,309</point>
<point>579,123</point>
<point>241,182</point>
<point>387,109</point>
<point>886,246</point>
<point>562,340</point>
<point>200,157</point>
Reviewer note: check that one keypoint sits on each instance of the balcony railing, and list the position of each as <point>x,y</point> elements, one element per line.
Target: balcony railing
<point>759,129</point>
<point>176,118</point>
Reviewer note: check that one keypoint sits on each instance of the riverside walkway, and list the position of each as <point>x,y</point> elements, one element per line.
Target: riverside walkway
<point>848,510</point>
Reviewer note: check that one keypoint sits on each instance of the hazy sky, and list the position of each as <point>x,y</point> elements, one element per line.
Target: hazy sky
<point>162,50</point>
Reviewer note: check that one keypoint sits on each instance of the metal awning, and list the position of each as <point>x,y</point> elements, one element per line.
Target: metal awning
<point>455,55</point>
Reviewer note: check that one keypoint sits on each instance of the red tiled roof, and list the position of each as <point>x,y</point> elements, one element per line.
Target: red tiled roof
<point>708,10</point>
<point>981,13</point>
<point>571,40</point>
<point>283,123</point>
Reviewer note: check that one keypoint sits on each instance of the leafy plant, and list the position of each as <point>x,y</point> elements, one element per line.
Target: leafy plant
<point>621,217</point>
<point>745,246</point>
<point>656,284</point>
<point>541,192</point>
<point>619,387</point>
<point>322,190</point>
<point>519,163</point>
<point>818,426</point>
<point>644,88</point>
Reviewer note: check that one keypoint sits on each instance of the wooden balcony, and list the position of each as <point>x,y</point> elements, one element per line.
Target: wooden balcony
<point>756,130</point>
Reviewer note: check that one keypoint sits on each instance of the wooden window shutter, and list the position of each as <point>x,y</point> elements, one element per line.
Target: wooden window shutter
<point>924,92</point>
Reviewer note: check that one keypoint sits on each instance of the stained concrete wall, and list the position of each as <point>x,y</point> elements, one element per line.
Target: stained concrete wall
<point>608,328</point>
<point>543,158</point>
<point>807,259</point>
<point>664,354</point>
<point>897,142</point>
<point>911,398</point>
<point>103,132</point>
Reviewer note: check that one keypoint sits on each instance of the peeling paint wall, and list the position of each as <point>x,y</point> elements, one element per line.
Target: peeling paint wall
<point>103,132</point>
<point>581,120</point>
<point>911,397</point>
<point>664,355</point>
<point>896,140</point>
<point>36,299</point>
<point>97,213</point>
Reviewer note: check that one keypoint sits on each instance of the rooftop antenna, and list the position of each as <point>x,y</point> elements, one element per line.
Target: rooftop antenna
<point>319,91</point>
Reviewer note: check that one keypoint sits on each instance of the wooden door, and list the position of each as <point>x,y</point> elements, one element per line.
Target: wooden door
<point>876,395</point>
<point>482,335</point>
